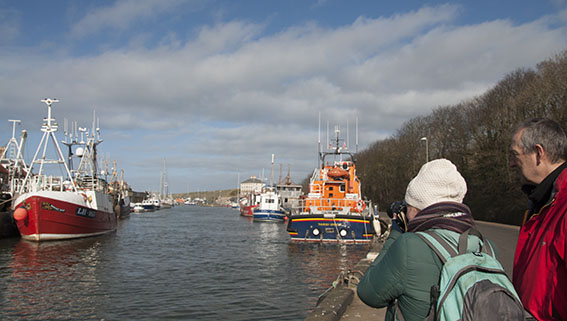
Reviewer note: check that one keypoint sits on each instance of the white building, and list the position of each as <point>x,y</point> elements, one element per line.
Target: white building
<point>251,185</point>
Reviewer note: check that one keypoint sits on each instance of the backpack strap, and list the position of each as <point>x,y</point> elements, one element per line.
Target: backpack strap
<point>485,246</point>
<point>445,252</point>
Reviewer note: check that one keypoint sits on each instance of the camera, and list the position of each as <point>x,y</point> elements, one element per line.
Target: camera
<point>397,207</point>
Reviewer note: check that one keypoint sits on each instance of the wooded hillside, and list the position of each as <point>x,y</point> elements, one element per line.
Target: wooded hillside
<point>475,135</point>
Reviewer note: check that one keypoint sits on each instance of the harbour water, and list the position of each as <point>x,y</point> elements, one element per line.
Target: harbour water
<point>183,263</point>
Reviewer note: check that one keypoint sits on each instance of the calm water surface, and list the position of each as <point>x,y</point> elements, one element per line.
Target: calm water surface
<point>184,263</point>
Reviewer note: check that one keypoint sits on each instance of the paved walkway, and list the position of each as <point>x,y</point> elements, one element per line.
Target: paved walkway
<point>357,310</point>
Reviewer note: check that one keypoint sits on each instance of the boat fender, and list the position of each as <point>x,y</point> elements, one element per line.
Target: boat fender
<point>20,214</point>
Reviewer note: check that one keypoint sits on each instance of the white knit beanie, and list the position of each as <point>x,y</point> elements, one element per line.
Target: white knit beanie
<point>437,181</point>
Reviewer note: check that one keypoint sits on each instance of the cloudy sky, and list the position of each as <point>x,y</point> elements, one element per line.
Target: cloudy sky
<point>216,87</point>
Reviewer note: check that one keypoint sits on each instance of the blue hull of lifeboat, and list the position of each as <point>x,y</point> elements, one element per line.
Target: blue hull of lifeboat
<point>330,228</point>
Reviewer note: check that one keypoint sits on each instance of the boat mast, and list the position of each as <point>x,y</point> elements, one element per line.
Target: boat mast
<point>12,145</point>
<point>272,174</point>
<point>48,128</point>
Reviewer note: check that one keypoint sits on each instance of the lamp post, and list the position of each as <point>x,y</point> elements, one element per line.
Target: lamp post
<point>426,149</point>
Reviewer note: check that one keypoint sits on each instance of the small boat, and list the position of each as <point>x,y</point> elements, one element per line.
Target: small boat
<point>75,205</point>
<point>269,209</point>
<point>150,205</point>
<point>248,204</point>
<point>137,207</point>
<point>334,210</point>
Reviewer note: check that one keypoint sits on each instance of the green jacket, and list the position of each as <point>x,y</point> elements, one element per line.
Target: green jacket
<point>405,269</point>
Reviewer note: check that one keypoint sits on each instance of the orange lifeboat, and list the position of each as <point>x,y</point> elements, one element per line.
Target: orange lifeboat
<point>336,173</point>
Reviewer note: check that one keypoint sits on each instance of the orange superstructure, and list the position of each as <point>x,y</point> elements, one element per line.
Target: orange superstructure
<point>335,187</point>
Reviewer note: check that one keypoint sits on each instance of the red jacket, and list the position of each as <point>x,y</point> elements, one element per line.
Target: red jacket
<point>540,262</point>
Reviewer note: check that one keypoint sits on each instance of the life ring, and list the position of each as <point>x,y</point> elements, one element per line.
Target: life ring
<point>361,205</point>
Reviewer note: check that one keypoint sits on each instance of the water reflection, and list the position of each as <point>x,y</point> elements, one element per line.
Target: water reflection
<point>321,263</point>
<point>186,263</point>
<point>50,280</point>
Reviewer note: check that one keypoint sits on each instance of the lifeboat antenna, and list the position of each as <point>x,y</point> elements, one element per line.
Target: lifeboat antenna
<point>328,134</point>
<point>319,151</point>
<point>356,150</point>
<point>347,135</point>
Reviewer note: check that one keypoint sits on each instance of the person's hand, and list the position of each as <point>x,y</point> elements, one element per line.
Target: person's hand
<point>400,222</point>
<point>396,227</point>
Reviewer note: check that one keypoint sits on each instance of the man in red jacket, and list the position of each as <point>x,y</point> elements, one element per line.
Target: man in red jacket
<point>539,151</point>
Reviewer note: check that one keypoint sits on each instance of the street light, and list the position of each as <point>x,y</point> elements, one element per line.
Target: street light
<point>426,149</point>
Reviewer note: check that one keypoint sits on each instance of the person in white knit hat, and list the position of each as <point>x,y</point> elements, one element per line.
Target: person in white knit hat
<point>407,267</point>
<point>437,181</point>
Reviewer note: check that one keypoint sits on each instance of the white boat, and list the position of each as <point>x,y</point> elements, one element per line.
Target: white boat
<point>269,209</point>
<point>150,205</point>
<point>137,207</point>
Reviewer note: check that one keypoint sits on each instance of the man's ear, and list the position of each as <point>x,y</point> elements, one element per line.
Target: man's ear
<point>540,153</point>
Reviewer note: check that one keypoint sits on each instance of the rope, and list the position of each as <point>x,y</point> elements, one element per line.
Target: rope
<point>8,200</point>
<point>349,277</point>
<point>337,230</point>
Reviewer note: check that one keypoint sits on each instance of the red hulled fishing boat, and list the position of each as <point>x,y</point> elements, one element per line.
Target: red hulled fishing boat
<point>74,205</point>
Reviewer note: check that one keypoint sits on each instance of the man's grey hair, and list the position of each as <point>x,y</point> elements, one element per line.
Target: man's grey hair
<point>546,133</point>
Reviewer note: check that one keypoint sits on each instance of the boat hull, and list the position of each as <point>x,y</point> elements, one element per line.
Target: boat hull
<point>65,215</point>
<point>330,228</point>
<point>247,210</point>
<point>268,216</point>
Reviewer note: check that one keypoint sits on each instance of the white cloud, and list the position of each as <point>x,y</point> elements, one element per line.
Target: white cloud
<point>121,15</point>
<point>232,96</point>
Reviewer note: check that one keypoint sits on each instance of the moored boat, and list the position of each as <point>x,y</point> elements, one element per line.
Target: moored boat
<point>13,170</point>
<point>137,207</point>
<point>248,204</point>
<point>334,210</point>
<point>149,205</point>
<point>269,209</point>
<point>75,205</point>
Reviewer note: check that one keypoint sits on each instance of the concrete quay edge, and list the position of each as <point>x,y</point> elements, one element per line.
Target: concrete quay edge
<point>338,300</point>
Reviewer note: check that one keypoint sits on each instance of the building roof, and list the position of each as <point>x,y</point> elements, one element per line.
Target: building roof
<point>253,179</point>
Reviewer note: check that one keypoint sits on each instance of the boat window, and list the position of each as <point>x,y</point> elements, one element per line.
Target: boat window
<point>330,195</point>
<point>330,188</point>
<point>342,187</point>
